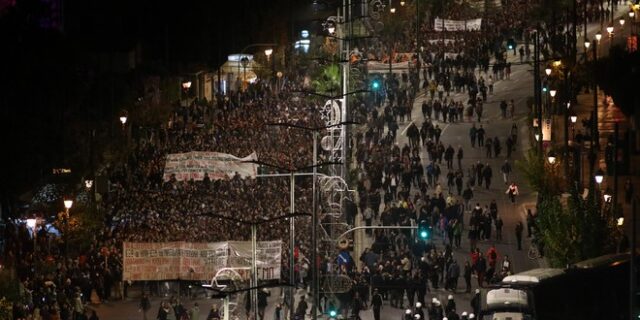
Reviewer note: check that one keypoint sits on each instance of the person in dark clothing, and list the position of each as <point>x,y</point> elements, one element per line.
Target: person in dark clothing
<point>487,174</point>
<point>519,229</point>
<point>301,310</point>
<point>467,276</point>
<point>376,304</point>
<point>262,302</point>
<point>530,222</point>
<point>475,302</point>
<point>480,135</point>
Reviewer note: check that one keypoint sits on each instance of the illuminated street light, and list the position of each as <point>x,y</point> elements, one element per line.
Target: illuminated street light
<point>402,3</point>
<point>607,197</point>
<point>547,71</point>
<point>598,36</point>
<point>552,93</point>
<point>620,221</point>
<point>621,21</point>
<point>537,135</point>
<point>587,44</point>
<point>574,118</point>
<point>88,184</point>
<point>268,52</point>
<point>632,14</point>
<point>186,85</point>
<point>599,176</point>
<point>557,63</point>
<point>551,157</point>
<point>68,203</point>
<point>610,30</point>
<point>123,120</point>
<point>392,10</point>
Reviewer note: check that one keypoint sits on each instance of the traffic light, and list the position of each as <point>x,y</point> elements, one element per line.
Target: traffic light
<point>424,230</point>
<point>375,84</point>
<point>332,312</point>
<point>511,43</point>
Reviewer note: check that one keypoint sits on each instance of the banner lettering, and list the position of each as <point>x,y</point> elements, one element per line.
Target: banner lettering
<point>197,261</point>
<point>194,165</point>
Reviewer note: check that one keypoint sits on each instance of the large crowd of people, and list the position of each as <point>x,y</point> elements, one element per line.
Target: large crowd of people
<point>395,184</point>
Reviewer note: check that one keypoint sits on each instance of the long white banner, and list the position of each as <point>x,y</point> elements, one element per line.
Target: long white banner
<point>457,25</point>
<point>194,165</point>
<point>198,261</point>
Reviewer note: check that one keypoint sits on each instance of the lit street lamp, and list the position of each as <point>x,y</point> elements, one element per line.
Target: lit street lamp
<point>547,71</point>
<point>68,203</point>
<point>552,93</point>
<point>551,157</point>
<point>599,176</point>
<point>610,30</point>
<point>268,52</point>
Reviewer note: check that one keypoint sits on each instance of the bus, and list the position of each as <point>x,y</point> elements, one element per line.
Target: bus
<point>592,289</point>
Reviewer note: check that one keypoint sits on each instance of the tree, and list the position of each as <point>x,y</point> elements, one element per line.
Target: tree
<point>328,79</point>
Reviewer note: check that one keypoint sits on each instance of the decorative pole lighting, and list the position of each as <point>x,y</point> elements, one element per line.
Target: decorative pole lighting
<point>268,52</point>
<point>598,36</point>
<point>547,71</point>
<point>587,44</point>
<point>552,93</point>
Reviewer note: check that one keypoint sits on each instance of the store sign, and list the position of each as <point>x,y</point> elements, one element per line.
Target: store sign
<point>546,130</point>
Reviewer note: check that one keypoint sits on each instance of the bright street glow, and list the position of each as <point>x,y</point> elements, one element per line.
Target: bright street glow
<point>620,221</point>
<point>621,22</point>
<point>186,85</point>
<point>68,203</point>
<point>610,29</point>
<point>587,44</point>
<point>574,119</point>
<point>123,119</point>
<point>547,71</point>
<point>598,36</point>
<point>268,52</point>
<point>423,234</point>
<point>552,93</point>
<point>393,10</point>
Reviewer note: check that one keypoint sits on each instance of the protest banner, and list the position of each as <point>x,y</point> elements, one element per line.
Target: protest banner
<point>197,261</point>
<point>194,165</point>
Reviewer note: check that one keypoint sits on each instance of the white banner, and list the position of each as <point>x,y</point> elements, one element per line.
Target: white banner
<point>457,25</point>
<point>198,261</point>
<point>194,165</point>
<point>474,24</point>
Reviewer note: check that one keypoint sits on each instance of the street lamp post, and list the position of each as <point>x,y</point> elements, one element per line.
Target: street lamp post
<point>185,92</point>
<point>68,203</point>
<point>244,61</point>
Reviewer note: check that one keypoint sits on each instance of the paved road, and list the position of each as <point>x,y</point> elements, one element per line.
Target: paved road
<point>517,88</point>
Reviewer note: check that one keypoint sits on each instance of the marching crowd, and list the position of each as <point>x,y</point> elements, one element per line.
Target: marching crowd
<point>395,186</point>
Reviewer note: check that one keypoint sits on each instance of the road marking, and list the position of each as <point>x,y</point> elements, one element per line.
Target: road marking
<point>407,127</point>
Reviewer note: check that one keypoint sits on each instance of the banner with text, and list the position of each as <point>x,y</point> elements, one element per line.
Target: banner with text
<point>198,261</point>
<point>194,165</point>
<point>457,25</point>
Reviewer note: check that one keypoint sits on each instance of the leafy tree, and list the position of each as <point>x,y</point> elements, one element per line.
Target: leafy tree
<point>328,79</point>
<point>543,181</point>
<point>574,232</point>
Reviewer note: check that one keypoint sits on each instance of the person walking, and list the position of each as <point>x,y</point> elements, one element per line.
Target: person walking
<point>503,109</point>
<point>194,312</point>
<point>376,304</point>
<point>480,135</point>
<point>512,192</point>
<point>487,174</point>
<point>472,135</point>
<point>506,170</point>
<point>460,156</point>
<point>499,225</point>
<point>144,306</point>
<point>519,229</point>
<point>453,273</point>
<point>467,276</point>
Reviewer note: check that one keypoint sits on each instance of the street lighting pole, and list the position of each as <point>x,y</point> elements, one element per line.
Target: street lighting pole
<point>254,270</point>
<point>292,247</point>
<point>314,231</point>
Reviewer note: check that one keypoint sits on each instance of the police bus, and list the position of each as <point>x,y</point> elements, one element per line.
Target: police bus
<point>592,289</point>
